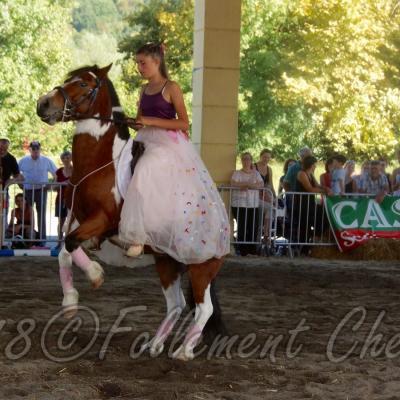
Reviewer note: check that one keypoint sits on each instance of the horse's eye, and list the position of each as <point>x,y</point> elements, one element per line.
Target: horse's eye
<point>83,84</point>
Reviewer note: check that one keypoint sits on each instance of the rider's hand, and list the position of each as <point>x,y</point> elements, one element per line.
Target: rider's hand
<point>132,123</point>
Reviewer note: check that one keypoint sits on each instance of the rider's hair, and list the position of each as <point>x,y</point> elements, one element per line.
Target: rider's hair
<point>155,50</point>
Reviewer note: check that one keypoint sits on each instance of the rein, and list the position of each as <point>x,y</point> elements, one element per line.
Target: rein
<point>69,112</point>
<point>75,185</point>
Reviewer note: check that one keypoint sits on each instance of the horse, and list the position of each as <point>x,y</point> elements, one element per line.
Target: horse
<point>88,98</point>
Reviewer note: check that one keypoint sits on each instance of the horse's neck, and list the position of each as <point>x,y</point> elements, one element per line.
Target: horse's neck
<point>90,153</point>
<point>92,127</point>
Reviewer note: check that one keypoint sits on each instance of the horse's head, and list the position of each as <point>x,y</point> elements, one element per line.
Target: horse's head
<point>77,98</point>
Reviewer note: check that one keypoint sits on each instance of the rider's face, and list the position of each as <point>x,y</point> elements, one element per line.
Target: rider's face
<point>148,66</point>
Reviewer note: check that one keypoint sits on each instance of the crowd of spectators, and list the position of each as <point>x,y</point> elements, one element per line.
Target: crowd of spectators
<point>31,173</point>
<point>253,203</point>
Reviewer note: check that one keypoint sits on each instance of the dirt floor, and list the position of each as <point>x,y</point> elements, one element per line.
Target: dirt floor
<point>299,329</point>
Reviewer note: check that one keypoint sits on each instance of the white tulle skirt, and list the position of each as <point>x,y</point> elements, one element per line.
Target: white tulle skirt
<point>172,204</point>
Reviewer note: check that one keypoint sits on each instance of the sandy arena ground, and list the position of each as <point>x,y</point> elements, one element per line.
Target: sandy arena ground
<point>320,309</point>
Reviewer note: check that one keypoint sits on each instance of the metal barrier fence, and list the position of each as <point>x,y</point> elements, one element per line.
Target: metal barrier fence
<point>261,223</point>
<point>251,213</point>
<point>32,215</point>
<point>300,221</point>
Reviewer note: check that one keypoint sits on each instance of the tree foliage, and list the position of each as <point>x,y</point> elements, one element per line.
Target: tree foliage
<point>97,16</point>
<point>320,72</point>
<point>34,57</point>
<point>323,73</point>
<point>340,64</point>
<point>263,120</point>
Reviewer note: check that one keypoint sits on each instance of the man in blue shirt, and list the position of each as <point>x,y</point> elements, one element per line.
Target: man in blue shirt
<point>35,168</point>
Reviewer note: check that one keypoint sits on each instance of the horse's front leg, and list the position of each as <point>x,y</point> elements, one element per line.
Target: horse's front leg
<point>170,277</point>
<point>200,276</point>
<point>93,226</point>
<point>71,295</point>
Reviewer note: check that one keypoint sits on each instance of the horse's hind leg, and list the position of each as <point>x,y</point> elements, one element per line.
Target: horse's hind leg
<point>200,276</point>
<point>170,277</point>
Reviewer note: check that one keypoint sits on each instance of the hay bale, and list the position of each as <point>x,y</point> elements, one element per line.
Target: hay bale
<point>372,250</point>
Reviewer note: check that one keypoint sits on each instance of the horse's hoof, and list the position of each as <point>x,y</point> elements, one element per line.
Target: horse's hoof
<point>183,354</point>
<point>70,303</point>
<point>156,350</point>
<point>135,250</point>
<point>70,311</point>
<point>145,347</point>
<point>95,274</point>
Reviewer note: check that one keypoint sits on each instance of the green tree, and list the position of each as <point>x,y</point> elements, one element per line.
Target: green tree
<point>97,16</point>
<point>341,66</point>
<point>34,57</point>
<point>264,121</point>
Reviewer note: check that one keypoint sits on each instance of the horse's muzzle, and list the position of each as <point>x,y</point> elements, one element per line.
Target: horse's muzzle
<point>42,106</point>
<point>45,111</point>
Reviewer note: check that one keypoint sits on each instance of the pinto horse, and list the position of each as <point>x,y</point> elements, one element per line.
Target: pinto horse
<point>89,98</point>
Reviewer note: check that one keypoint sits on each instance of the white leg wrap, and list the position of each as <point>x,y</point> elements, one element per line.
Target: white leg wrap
<point>64,258</point>
<point>71,298</point>
<point>135,250</point>
<point>203,313</point>
<point>175,305</point>
<point>94,271</point>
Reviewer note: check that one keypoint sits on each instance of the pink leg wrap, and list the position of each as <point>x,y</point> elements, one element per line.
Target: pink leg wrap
<point>66,279</point>
<point>193,335</point>
<point>80,259</point>
<point>166,328</point>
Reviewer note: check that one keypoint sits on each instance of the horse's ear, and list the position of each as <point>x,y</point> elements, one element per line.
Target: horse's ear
<point>102,72</point>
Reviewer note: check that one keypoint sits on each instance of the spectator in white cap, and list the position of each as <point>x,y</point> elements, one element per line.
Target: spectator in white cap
<point>36,168</point>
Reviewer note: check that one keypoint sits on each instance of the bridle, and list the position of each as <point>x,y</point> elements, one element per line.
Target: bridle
<point>70,107</point>
<point>69,111</point>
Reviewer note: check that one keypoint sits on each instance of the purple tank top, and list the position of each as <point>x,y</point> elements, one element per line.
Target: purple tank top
<point>154,105</point>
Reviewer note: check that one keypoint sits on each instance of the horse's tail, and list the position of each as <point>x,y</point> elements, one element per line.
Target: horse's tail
<point>215,325</point>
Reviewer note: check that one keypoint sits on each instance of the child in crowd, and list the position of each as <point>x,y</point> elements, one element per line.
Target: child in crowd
<point>338,175</point>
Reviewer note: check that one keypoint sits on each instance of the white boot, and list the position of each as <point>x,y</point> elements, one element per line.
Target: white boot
<point>135,250</point>
<point>95,274</point>
<point>70,303</point>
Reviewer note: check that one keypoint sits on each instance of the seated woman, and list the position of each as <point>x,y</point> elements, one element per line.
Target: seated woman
<point>21,220</point>
<point>245,204</point>
<point>306,213</point>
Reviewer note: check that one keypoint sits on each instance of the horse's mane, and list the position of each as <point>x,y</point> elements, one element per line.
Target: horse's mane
<point>79,71</point>
<point>123,131</point>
